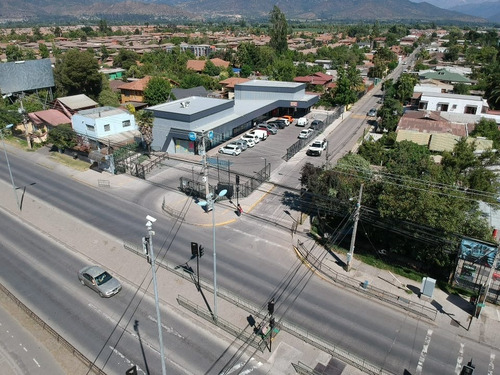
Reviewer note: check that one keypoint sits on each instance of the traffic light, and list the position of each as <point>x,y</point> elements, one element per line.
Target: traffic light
<point>201,251</point>
<point>270,307</point>
<point>237,179</point>
<point>194,249</point>
<point>145,247</point>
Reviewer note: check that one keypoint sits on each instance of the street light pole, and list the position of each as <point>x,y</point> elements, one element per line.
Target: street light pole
<point>151,232</point>
<point>8,164</point>
<point>210,202</point>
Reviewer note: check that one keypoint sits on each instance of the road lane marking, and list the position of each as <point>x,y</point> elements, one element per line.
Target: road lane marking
<point>34,360</point>
<point>423,354</point>
<point>240,365</point>
<point>129,363</point>
<point>460,359</point>
<point>491,366</point>
<point>168,329</point>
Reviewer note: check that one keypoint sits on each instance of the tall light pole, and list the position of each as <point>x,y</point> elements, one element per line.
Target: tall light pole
<point>210,203</point>
<point>148,249</point>
<point>8,164</point>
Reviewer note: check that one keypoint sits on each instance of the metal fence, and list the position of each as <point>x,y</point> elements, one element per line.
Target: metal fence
<point>301,143</point>
<point>89,364</point>
<point>247,184</point>
<point>368,290</point>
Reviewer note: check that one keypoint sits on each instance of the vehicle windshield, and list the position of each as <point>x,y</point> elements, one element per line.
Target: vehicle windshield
<point>102,278</point>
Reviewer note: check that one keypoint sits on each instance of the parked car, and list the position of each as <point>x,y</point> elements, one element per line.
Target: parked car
<point>372,112</point>
<point>230,149</point>
<point>261,133</point>
<point>279,124</point>
<point>244,144</point>
<point>317,147</point>
<point>306,133</point>
<point>99,280</point>
<point>284,119</point>
<point>240,143</point>
<point>316,124</point>
<point>303,121</point>
<point>269,128</point>
<point>289,118</point>
<point>250,138</point>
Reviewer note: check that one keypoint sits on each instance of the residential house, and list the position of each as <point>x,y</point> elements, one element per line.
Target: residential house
<point>228,86</point>
<point>319,79</point>
<point>41,122</point>
<point>108,126</point>
<point>69,105</point>
<point>133,92</point>
<point>445,102</point>
<point>446,76</point>
<point>199,65</point>
<point>429,128</point>
<point>113,73</point>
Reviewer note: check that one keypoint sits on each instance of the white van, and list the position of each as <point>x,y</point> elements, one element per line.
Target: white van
<point>261,133</point>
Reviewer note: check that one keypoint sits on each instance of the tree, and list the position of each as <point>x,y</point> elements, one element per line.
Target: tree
<point>145,122</point>
<point>210,69</point>
<point>346,91</point>
<point>405,85</point>
<point>44,50</point>
<point>389,114</point>
<point>157,91</point>
<point>78,73</point>
<point>278,31</point>
<point>461,89</point>
<point>62,137</point>
<point>282,70</point>
<point>125,59</point>
<point>488,129</point>
<point>14,53</point>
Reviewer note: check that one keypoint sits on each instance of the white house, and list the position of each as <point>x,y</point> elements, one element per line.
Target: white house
<point>445,102</point>
<point>106,125</point>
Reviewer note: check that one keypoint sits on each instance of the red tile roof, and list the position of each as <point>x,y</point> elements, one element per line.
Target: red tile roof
<point>139,85</point>
<point>430,122</point>
<point>230,82</point>
<point>50,117</point>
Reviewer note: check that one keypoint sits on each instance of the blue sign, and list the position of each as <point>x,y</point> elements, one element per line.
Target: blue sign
<point>217,161</point>
<point>192,136</point>
<point>210,135</point>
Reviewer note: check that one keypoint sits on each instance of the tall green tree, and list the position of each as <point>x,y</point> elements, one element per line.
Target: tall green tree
<point>145,123</point>
<point>78,73</point>
<point>157,91</point>
<point>125,59</point>
<point>44,50</point>
<point>278,31</point>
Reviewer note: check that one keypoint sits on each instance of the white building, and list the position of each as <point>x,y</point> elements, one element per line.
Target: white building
<point>106,125</point>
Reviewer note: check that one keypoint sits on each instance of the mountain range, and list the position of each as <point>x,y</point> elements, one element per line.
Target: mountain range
<point>163,10</point>
<point>489,10</point>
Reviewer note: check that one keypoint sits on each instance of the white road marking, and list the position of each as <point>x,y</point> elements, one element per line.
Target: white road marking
<point>129,363</point>
<point>100,312</point>
<point>34,360</point>
<point>423,354</point>
<point>26,350</point>
<point>168,329</point>
<point>460,359</point>
<point>491,366</point>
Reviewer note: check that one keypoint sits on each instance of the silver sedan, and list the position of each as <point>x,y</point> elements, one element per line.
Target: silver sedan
<point>99,280</point>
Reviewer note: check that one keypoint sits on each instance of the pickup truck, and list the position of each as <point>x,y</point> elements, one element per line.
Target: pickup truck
<point>317,147</point>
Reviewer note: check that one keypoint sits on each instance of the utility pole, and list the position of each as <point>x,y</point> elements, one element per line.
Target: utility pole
<point>204,163</point>
<point>481,301</point>
<point>354,230</point>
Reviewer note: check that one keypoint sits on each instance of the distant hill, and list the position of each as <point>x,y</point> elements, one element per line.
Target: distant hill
<point>161,10</point>
<point>487,10</point>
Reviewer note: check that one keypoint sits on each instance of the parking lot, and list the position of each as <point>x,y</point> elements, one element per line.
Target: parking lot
<point>270,151</point>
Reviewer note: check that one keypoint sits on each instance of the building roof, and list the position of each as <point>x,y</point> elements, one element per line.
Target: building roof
<point>139,85</point>
<point>413,136</point>
<point>446,76</point>
<point>443,142</point>
<point>186,93</point>
<point>50,116</point>
<point>27,75</point>
<point>315,79</point>
<point>102,112</point>
<point>76,102</point>
<point>196,65</point>
<point>231,81</point>
<point>219,62</point>
<point>430,122</point>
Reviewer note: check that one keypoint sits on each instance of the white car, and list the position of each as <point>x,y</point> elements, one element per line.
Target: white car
<point>230,150</point>
<point>303,121</point>
<point>260,133</point>
<point>249,137</point>
<point>306,133</point>
<point>317,147</point>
